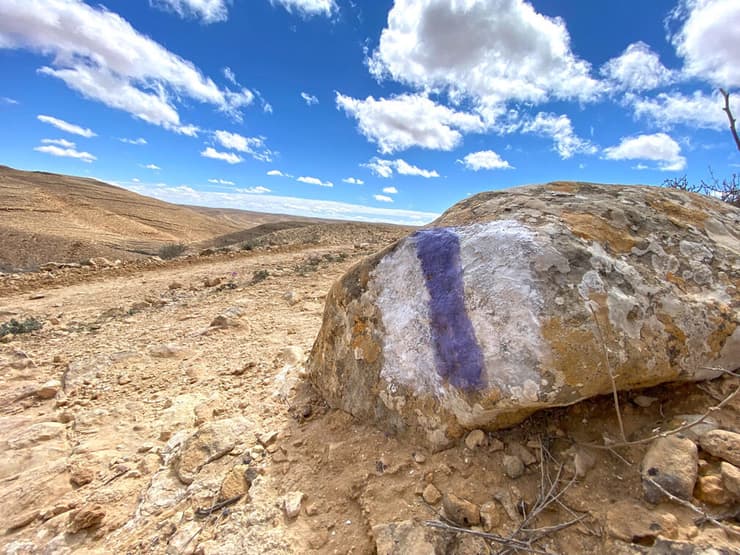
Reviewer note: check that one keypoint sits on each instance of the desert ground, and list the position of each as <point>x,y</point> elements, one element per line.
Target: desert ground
<point>162,408</point>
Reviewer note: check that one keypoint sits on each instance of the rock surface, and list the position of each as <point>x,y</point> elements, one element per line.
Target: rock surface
<point>512,301</point>
<point>722,444</point>
<point>671,462</point>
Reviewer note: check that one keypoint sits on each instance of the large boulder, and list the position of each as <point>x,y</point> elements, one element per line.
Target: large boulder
<point>518,300</point>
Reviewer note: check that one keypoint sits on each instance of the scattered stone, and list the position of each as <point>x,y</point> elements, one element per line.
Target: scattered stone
<point>583,461</point>
<point>722,444</point>
<point>169,350</point>
<point>212,282</point>
<point>36,433</point>
<point>292,297</point>
<point>495,445</point>
<point>268,438</point>
<point>431,494</point>
<point>16,522</point>
<point>36,296</point>
<point>476,438</point>
<point>526,456</point>
<point>230,318</point>
<point>292,355</point>
<point>123,379</point>
<point>407,537</point>
<point>419,458</point>
<point>466,544</point>
<point>183,540</point>
<point>513,466</point>
<point>631,522</point>
<point>435,335</point>
<point>235,483</point>
<point>710,489</point>
<point>86,517</point>
<point>490,516</point>
<point>81,475</point>
<point>697,430</point>
<point>460,511</point>
<point>175,285</point>
<point>672,463</point>
<point>731,478</point>
<point>292,504</point>
<point>48,390</point>
<point>644,401</point>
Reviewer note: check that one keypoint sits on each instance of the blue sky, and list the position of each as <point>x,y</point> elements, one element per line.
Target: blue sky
<point>374,110</point>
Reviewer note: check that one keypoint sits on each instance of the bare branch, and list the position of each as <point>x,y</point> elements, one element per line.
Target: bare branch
<point>733,128</point>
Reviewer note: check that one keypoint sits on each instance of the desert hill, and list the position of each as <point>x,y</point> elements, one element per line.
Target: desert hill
<point>48,216</point>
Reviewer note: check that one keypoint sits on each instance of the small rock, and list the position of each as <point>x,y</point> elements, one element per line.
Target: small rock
<point>513,466</point>
<point>460,511</point>
<point>48,390</point>
<point>235,483</point>
<point>431,494</point>
<point>419,458</point>
<point>169,350</point>
<point>526,456</point>
<point>292,355</point>
<point>212,282</point>
<point>629,521</point>
<point>490,516</point>
<point>476,438</point>
<point>644,401</point>
<point>495,445</point>
<point>36,296</point>
<point>470,545</point>
<point>697,430</point>
<point>731,478</point>
<point>670,462</point>
<point>267,438</point>
<point>86,517</point>
<point>16,522</point>
<point>406,537</point>
<point>292,297</point>
<point>81,475</point>
<point>292,504</point>
<point>175,285</point>
<point>722,444</point>
<point>123,379</point>
<point>583,462</point>
<point>710,490</point>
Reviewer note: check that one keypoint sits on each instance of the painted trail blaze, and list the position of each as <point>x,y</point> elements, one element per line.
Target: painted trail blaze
<point>458,355</point>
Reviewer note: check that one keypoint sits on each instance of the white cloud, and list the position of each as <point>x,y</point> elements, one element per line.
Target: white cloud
<point>658,147</point>
<point>8,100</point>
<point>315,181</point>
<point>154,167</point>
<point>258,190</point>
<point>696,110</point>
<point>282,205</point>
<point>254,146</point>
<point>382,198</point>
<point>229,157</point>
<point>277,173</point>
<point>708,40</point>
<point>59,142</point>
<point>230,75</point>
<point>99,54</point>
<point>353,181</point>
<point>309,98</point>
<point>485,160</point>
<point>560,129</point>
<point>221,182</point>
<point>208,11</point>
<point>139,141</point>
<point>638,68</point>
<point>136,180</point>
<point>308,7</point>
<point>390,190</point>
<point>384,168</point>
<point>408,120</point>
<point>489,51</point>
<point>66,126</point>
<point>66,152</point>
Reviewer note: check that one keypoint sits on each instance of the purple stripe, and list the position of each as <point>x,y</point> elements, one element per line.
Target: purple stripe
<point>457,353</point>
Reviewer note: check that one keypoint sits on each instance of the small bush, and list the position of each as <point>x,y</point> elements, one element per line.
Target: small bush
<point>15,327</point>
<point>260,275</point>
<point>172,250</point>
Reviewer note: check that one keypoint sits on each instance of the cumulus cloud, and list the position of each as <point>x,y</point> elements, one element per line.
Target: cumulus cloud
<point>490,51</point>
<point>560,130</point>
<point>309,98</point>
<point>485,160</point>
<point>139,141</point>
<point>390,190</point>
<point>99,54</point>
<point>228,157</point>
<point>382,198</point>
<point>66,126</point>
<point>208,11</point>
<point>638,68</point>
<point>315,181</point>
<point>66,152</point>
<point>59,142</point>
<point>254,146</point>
<point>707,40</point>
<point>353,181</point>
<point>308,7</point>
<point>385,168</point>
<point>657,147</point>
<point>696,110</point>
<point>258,190</point>
<point>408,120</point>
<point>152,167</point>
<point>221,182</point>
<point>277,173</point>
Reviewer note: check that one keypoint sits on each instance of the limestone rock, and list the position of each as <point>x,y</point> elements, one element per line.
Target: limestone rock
<point>48,390</point>
<point>235,483</point>
<point>672,463</point>
<point>406,537</point>
<point>431,494</point>
<point>292,503</point>
<point>476,438</point>
<point>513,466</point>
<point>722,444</point>
<point>460,511</point>
<point>630,522</point>
<point>506,305</point>
<point>731,479</point>
<point>169,350</point>
<point>88,516</point>
<point>710,489</point>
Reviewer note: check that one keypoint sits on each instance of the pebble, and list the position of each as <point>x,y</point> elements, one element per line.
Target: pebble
<point>460,511</point>
<point>48,390</point>
<point>672,463</point>
<point>169,350</point>
<point>490,516</point>
<point>583,462</point>
<point>292,297</point>
<point>234,483</point>
<point>476,438</point>
<point>419,458</point>
<point>292,503</point>
<point>513,466</point>
<point>710,490</point>
<point>267,438</point>
<point>431,494</point>
<point>722,444</point>
<point>175,285</point>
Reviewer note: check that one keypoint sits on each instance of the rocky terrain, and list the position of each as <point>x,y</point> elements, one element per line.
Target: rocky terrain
<point>163,407</point>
